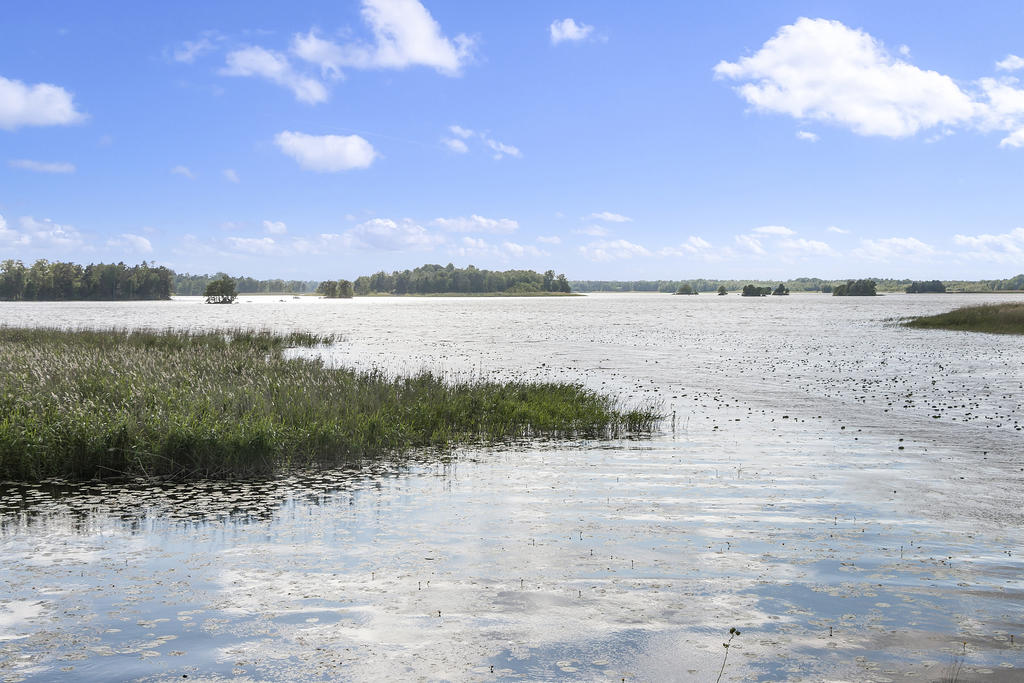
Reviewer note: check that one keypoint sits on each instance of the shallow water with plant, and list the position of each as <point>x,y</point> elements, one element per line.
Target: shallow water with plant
<point>844,491</point>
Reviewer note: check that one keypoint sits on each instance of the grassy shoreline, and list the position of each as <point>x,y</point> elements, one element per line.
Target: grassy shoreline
<point>189,405</point>
<point>990,318</point>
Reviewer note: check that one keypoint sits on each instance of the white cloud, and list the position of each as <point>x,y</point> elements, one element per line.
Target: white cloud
<point>455,145</point>
<point>275,67</point>
<point>1011,63</point>
<point>840,231</point>
<point>774,230</point>
<point>592,230</point>
<point>807,135</point>
<point>43,166</point>
<point>190,49</point>
<point>230,174</point>
<point>326,153</point>
<point>895,248</point>
<point>569,30</point>
<point>472,247</point>
<point>692,246</point>
<point>553,239</point>
<point>501,149</point>
<point>11,237</point>
<point>183,170</point>
<point>476,223</point>
<point>405,34</point>
<point>384,233</point>
<point>329,56</point>
<point>41,104</point>
<point>275,227</point>
<point>750,243</point>
<point>802,246</point>
<point>1001,248</point>
<point>612,250</point>
<point>610,217</point>
<point>822,70</point>
<point>48,233</point>
<point>260,246</point>
<point>134,242</point>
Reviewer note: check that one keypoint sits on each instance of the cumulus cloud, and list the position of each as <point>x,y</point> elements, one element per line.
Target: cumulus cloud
<point>750,243</point>
<point>802,246</point>
<point>610,217</point>
<point>41,104</point>
<point>275,67</point>
<point>390,235</point>
<point>183,171</point>
<point>405,34</point>
<point>1000,248</point>
<point>229,174</point>
<point>895,248</point>
<point>43,166</point>
<point>46,233</point>
<point>134,242</point>
<point>806,135</point>
<point>11,237</point>
<point>259,246</point>
<point>275,227</point>
<point>1011,63</point>
<point>612,250</point>
<point>568,30</point>
<point>501,149</point>
<point>455,145</point>
<point>461,132</point>
<point>326,153</point>
<point>473,247</point>
<point>823,70</point>
<point>692,246</point>
<point>476,223</point>
<point>774,230</point>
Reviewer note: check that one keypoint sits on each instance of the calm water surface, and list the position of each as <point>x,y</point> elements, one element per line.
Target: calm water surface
<point>846,492</point>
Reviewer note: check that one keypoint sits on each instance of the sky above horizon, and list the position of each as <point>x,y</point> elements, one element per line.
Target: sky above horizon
<point>605,140</point>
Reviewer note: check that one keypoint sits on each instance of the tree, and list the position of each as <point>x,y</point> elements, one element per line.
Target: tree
<point>221,291</point>
<point>722,290</point>
<point>781,290</point>
<point>925,287</point>
<point>685,288</point>
<point>345,289</point>
<point>754,290</point>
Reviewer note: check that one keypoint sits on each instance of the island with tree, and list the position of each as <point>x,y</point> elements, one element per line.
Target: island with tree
<point>433,279</point>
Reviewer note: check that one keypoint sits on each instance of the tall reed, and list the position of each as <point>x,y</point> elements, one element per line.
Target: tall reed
<point>116,403</point>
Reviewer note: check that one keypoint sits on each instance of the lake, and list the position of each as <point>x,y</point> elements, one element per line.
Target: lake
<point>846,492</point>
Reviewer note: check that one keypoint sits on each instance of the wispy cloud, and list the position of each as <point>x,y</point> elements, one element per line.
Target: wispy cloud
<point>43,166</point>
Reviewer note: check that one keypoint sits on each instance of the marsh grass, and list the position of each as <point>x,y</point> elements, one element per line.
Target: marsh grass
<point>991,318</point>
<point>186,405</point>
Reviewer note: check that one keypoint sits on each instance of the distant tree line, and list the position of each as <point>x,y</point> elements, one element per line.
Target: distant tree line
<point>800,284</point>
<point>436,279</point>
<point>63,281</point>
<point>186,284</point>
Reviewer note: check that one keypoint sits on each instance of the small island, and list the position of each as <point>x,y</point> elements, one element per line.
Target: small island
<point>436,280</point>
<point>855,288</point>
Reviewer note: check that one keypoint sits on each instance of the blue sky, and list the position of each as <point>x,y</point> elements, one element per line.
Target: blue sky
<point>603,139</point>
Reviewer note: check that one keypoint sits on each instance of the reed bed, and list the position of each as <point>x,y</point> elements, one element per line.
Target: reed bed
<point>991,318</point>
<point>187,405</point>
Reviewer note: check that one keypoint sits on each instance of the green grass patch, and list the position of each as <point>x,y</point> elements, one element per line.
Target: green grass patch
<point>188,405</point>
<point>991,318</point>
